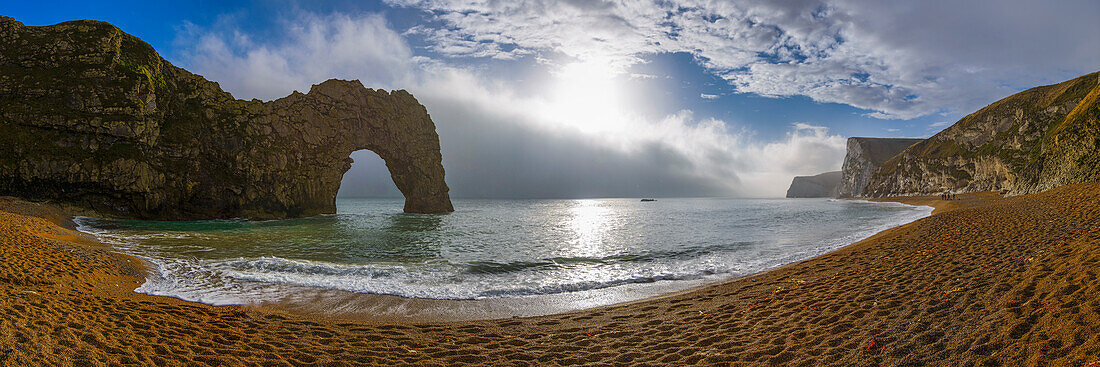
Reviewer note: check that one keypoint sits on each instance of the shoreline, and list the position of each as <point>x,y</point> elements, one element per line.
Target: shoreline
<point>969,284</point>
<point>352,306</point>
<point>339,305</point>
<point>344,305</point>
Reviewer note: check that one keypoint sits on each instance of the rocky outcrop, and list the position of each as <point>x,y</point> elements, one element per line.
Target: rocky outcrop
<point>94,117</point>
<point>1029,142</point>
<point>864,156</point>
<point>824,185</point>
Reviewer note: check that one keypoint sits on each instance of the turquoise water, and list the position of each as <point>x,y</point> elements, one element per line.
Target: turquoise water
<point>491,248</point>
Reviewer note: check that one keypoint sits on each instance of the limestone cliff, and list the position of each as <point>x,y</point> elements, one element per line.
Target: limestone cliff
<point>864,156</point>
<point>94,117</point>
<point>1029,142</point>
<point>824,185</point>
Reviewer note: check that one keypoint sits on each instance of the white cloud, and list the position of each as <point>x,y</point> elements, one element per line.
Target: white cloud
<point>315,48</point>
<point>939,125</point>
<point>498,142</point>
<point>807,150</point>
<point>678,155</point>
<point>708,96</point>
<point>896,60</point>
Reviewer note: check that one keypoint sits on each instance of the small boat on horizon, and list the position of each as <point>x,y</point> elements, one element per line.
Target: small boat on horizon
<point>649,200</point>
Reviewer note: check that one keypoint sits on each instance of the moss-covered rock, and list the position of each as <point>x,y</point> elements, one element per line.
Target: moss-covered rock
<point>92,116</point>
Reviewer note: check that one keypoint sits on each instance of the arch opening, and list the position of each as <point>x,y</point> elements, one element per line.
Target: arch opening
<point>367,178</point>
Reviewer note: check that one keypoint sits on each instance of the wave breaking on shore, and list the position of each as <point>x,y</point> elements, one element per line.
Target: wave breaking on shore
<point>192,265</point>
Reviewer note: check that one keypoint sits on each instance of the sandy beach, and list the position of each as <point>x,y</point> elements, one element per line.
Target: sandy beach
<point>984,281</point>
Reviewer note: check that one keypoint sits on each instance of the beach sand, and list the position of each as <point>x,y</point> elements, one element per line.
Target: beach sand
<point>984,281</point>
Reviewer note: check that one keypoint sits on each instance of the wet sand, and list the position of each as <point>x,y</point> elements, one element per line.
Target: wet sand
<point>984,281</point>
<point>351,306</point>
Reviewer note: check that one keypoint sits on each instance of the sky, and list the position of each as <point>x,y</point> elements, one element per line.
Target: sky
<point>589,98</point>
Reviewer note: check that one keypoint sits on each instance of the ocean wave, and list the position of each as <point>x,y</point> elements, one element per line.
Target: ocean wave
<point>304,267</point>
<point>191,269</point>
<point>182,279</point>
<point>495,267</point>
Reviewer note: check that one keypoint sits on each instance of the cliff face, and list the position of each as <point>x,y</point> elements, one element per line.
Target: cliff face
<point>864,156</point>
<point>824,185</point>
<point>94,117</point>
<point>1029,142</point>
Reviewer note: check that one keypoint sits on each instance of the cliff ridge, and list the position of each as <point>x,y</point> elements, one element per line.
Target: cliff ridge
<point>1029,142</point>
<point>864,156</point>
<point>823,185</point>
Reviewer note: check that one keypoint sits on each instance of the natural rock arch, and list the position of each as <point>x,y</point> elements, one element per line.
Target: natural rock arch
<point>92,116</point>
<point>337,118</point>
<point>392,125</point>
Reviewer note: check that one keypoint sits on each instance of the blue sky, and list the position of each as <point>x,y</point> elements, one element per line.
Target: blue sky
<point>687,81</point>
<point>591,98</point>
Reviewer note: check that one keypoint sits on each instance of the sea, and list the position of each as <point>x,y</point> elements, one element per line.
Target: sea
<point>491,248</point>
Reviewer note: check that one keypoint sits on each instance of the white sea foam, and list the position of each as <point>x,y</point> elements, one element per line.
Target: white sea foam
<point>493,250</point>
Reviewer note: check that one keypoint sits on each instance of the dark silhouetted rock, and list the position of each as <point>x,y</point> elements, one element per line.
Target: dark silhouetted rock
<point>824,185</point>
<point>94,117</point>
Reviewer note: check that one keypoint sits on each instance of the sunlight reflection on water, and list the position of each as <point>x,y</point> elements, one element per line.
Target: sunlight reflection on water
<point>491,248</point>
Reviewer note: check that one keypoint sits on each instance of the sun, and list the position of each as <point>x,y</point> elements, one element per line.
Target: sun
<point>588,96</point>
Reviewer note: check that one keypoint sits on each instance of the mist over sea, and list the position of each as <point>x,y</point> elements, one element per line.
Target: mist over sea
<point>491,248</point>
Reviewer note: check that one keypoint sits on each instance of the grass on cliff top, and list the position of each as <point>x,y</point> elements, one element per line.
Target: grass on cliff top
<point>1082,114</point>
<point>139,57</point>
<point>933,151</point>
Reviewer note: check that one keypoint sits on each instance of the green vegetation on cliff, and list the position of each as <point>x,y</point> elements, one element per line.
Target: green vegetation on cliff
<point>1029,142</point>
